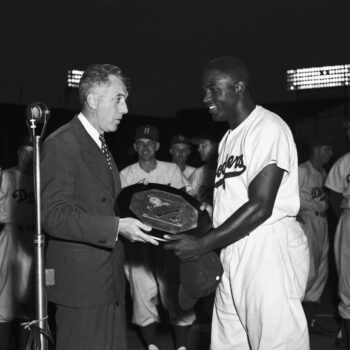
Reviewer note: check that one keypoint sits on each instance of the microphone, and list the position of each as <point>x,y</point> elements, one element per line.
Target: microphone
<point>38,112</point>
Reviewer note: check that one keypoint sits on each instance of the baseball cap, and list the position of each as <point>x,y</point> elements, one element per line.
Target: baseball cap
<point>147,132</point>
<point>180,139</point>
<point>199,278</point>
<point>212,135</point>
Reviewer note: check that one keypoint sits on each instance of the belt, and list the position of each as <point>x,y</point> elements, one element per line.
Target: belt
<point>320,213</point>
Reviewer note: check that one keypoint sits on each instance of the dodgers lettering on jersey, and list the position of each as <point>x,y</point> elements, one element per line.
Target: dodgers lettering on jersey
<point>231,167</point>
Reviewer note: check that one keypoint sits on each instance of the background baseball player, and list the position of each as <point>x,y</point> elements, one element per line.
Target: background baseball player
<point>313,206</point>
<point>146,269</point>
<point>17,298</point>
<point>337,181</point>
<point>202,179</point>
<point>180,149</point>
<point>265,252</point>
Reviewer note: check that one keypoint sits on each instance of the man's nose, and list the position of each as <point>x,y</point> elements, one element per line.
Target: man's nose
<point>206,97</point>
<point>123,107</point>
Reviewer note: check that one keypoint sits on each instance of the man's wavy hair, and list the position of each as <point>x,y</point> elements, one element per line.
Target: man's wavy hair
<point>98,74</point>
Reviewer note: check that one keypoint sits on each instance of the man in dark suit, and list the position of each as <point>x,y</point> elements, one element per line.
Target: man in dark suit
<point>80,183</point>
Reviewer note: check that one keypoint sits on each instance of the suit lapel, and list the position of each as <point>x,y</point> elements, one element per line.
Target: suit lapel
<point>92,155</point>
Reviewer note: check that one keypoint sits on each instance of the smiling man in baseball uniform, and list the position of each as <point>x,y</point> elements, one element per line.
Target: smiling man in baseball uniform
<point>256,198</point>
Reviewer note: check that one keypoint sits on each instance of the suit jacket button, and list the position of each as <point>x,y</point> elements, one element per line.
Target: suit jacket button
<point>104,200</point>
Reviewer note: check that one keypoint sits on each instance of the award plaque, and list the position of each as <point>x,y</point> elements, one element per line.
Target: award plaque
<point>166,209</point>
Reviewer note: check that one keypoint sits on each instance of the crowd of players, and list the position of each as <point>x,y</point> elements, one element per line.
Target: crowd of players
<point>250,182</point>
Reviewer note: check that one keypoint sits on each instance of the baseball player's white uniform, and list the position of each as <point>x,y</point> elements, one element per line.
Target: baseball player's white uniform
<point>189,170</point>
<point>338,181</point>
<point>16,246</point>
<point>258,302</point>
<point>313,206</point>
<point>144,281</point>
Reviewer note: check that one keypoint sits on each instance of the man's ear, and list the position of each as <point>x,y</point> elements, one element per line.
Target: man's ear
<point>240,87</point>
<point>157,146</point>
<point>92,101</point>
<point>135,147</point>
<point>171,151</point>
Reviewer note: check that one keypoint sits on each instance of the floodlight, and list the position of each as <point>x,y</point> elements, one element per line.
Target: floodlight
<point>73,78</point>
<point>318,77</point>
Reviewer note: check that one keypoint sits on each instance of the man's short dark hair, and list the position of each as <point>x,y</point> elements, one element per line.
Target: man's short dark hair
<point>97,74</point>
<point>232,66</point>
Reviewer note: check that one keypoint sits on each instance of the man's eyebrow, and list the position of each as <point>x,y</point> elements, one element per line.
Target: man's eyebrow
<point>122,94</point>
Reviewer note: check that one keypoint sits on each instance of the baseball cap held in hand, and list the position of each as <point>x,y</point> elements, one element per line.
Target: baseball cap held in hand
<point>199,278</point>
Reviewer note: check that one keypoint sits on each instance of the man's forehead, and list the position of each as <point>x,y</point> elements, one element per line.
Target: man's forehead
<point>216,77</point>
<point>145,140</point>
<point>181,145</point>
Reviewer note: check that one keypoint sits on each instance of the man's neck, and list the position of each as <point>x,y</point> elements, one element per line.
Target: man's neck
<point>182,166</point>
<point>242,113</point>
<point>317,165</point>
<point>24,169</point>
<point>148,165</point>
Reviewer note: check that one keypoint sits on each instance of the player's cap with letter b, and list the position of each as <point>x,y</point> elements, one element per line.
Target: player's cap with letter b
<point>147,132</point>
<point>199,278</point>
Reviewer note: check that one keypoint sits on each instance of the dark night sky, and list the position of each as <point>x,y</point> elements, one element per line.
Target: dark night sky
<point>161,45</point>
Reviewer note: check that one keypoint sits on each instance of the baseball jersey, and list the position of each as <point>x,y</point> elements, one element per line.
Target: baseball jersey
<point>263,138</point>
<point>189,170</point>
<point>164,173</point>
<point>16,245</point>
<point>312,194</point>
<point>338,179</point>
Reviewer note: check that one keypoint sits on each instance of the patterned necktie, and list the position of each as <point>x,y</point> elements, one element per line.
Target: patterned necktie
<point>106,152</point>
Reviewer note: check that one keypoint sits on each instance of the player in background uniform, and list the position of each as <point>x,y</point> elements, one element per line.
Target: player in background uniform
<point>146,269</point>
<point>17,288</point>
<point>180,149</point>
<point>256,199</point>
<point>202,179</point>
<point>313,207</point>
<point>337,181</point>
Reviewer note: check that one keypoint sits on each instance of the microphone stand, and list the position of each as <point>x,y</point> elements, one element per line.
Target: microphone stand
<point>40,325</point>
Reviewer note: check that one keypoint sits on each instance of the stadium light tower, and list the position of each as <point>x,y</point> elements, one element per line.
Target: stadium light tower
<point>73,78</point>
<point>318,77</point>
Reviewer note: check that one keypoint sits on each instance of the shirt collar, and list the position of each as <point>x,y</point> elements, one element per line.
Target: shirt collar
<point>90,129</point>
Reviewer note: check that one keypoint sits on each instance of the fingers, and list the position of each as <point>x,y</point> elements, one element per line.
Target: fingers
<point>148,239</point>
<point>144,227</point>
<point>173,237</point>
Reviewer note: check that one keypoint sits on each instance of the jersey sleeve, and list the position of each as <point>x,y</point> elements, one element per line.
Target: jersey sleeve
<point>336,179</point>
<point>269,143</point>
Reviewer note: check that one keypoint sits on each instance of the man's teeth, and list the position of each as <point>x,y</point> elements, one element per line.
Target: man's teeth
<point>212,107</point>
